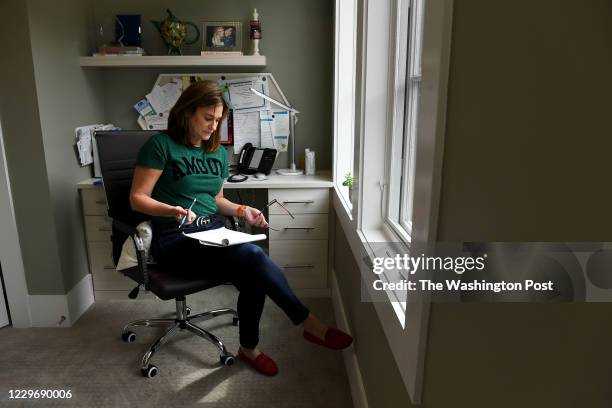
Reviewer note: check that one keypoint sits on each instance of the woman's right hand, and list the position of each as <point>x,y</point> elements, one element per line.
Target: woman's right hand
<point>179,213</point>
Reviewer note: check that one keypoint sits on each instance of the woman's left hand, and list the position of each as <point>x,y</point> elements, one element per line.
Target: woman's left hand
<point>255,217</point>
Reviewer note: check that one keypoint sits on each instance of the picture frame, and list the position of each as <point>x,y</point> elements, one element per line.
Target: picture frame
<point>221,36</point>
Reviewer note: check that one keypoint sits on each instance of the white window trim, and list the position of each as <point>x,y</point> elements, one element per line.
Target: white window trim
<point>344,105</point>
<point>407,344</point>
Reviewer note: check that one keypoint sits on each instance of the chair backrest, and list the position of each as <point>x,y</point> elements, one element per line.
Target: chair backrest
<point>118,151</point>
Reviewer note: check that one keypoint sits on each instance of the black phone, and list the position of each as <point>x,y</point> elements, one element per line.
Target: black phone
<point>256,160</point>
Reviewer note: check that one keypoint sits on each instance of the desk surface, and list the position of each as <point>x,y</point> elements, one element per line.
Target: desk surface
<point>322,179</point>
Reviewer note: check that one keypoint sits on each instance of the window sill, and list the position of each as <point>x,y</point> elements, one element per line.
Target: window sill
<point>347,207</point>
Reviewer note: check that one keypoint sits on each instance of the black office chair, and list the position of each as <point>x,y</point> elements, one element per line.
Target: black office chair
<point>117,152</point>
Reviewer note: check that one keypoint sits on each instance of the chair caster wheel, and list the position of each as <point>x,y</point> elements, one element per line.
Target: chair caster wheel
<point>227,359</point>
<point>188,310</point>
<point>235,321</point>
<point>129,336</point>
<point>149,372</point>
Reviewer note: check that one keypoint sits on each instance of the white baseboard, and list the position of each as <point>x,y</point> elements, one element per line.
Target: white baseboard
<point>358,393</point>
<point>49,311</point>
<point>62,310</point>
<point>80,298</point>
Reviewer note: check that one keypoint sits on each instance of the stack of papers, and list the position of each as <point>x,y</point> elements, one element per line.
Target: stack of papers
<point>223,237</point>
<point>86,145</point>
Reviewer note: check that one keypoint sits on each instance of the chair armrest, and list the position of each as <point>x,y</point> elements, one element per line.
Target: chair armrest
<point>141,253</point>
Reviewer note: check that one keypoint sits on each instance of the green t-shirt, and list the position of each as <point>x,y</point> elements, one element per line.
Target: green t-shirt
<point>188,172</point>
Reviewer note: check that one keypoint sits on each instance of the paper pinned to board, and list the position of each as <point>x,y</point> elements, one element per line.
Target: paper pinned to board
<point>241,97</point>
<point>266,122</point>
<point>224,237</point>
<point>246,130</point>
<point>156,122</point>
<point>280,130</point>
<point>162,98</point>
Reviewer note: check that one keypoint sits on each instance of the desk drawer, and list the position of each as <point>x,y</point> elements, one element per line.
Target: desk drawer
<point>94,201</point>
<point>103,272</point>
<point>304,226</point>
<point>98,228</point>
<point>303,262</point>
<point>300,201</point>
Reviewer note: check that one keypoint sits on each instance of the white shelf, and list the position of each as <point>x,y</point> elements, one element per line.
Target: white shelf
<point>175,61</point>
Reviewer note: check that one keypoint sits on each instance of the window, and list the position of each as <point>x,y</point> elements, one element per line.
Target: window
<point>402,149</point>
<point>398,158</point>
<point>344,96</point>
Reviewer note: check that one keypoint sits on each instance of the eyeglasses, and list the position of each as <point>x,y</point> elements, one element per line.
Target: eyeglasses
<point>275,201</point>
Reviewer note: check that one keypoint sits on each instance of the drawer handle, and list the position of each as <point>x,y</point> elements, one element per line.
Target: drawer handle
<point>100,201</point>
<point>299,228</point>
<point>104,229</point>
<point>109,267</point>
<point>298,266</point>
<point>299,202</point>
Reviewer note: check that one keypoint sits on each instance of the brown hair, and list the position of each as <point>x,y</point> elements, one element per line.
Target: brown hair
<point>199,94</point>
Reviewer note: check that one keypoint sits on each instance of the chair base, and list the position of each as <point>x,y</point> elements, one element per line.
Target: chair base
<point>183,321</point>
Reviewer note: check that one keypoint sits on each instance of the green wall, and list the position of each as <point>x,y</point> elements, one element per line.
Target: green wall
<point>25,154</point>
<point>298,42</point>
<point>67,98</point>
<point>526,154</point>
<point>45,95</point>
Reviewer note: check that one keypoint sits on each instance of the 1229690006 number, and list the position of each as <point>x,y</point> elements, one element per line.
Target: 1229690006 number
<point>40,394</point>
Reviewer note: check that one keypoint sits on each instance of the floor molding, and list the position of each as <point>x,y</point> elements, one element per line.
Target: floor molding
<point>80,298</point>
<point>62,310</point>
<point>358,393</point>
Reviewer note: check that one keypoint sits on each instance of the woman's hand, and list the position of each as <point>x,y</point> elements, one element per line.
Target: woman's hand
<point>255,217</point>
<point>179,213</point>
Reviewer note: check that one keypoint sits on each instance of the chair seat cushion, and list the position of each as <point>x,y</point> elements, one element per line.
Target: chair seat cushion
<point>167,285</point>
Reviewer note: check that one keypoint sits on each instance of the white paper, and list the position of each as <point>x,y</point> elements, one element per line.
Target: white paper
<point>246,130</point>
<point>224,131</point>
<point>241,96</point>
<point>280,130</point>
<point>141,122</point>
<point>162,98</point>
<point>266,122</point>
<point>144,107</point>
<point>85,143</point>
<point>156,122</point>
<point>224,237</point>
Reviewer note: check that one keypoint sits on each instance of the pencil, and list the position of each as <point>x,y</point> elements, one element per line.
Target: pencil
<point>185,216</point>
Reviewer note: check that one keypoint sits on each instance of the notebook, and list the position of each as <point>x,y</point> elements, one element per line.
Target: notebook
<point>223,237</point>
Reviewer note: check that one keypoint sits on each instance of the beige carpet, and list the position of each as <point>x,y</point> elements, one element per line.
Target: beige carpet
<point>101,370</point>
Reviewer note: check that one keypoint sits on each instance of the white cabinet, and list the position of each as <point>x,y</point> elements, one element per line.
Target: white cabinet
<point>300,245</point>
<point>99,248</point>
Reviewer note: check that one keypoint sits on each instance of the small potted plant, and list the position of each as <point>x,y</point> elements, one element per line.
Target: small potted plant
<point>348,182</point>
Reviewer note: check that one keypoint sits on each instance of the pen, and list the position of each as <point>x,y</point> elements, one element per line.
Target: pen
<point>185,216</point>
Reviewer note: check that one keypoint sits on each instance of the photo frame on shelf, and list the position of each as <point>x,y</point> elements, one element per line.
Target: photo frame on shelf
<point>222,37</point>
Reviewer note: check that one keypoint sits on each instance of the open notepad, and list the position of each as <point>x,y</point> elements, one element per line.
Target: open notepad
<point>224,237</point>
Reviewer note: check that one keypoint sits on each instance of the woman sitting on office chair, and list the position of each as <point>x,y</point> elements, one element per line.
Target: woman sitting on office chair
<point>185,163</point>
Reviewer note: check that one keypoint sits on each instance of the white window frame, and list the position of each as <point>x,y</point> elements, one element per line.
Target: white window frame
<point>405,93</point>
<point>344,96</point>
<point>406,330</point>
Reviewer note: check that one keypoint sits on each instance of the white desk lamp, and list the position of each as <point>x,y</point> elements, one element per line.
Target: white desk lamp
<point>292,170</point>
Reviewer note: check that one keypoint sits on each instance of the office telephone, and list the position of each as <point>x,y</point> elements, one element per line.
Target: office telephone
<point>256,160</point>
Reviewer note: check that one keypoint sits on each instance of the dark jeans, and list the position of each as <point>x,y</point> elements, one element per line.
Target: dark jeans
<point>246,266</point>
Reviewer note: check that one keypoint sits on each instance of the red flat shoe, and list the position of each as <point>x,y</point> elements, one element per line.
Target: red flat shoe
<point>334,339</point>
<point>262,363</point>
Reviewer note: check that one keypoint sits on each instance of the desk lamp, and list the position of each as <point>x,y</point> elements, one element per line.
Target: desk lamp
<point>292,170</point>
